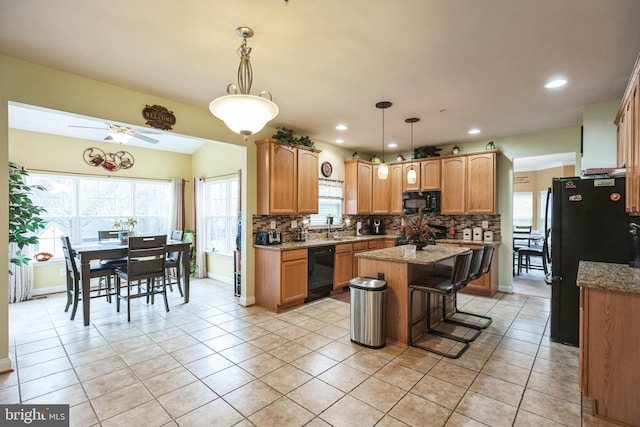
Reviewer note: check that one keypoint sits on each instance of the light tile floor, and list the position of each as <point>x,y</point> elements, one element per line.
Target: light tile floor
<point>213,362</point>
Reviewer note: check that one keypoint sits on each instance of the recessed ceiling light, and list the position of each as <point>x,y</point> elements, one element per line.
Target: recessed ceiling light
<point>473,131</point>
<point>555,83</point>
<point>341,127</point>
<point>392,145</point>
<point>339,141</point>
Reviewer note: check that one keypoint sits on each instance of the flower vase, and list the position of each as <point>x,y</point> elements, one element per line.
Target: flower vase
<point>124,235</point>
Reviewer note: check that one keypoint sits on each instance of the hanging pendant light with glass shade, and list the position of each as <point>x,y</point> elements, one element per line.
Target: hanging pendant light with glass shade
<point>383,169</point>
<point>412,176</point>
<point>242,112</point>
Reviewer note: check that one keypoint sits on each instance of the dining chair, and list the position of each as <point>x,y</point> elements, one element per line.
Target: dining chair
<point>443,287</point>
<point>74,279</point>
<point>105,236</point>
<point>145,262</point>
<point>172,264</point>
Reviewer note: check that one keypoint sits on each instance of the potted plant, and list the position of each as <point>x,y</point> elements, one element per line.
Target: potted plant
<point>329,218</point>
<point>125,228</point>
<point>24,219</point>
<point>285,136</point>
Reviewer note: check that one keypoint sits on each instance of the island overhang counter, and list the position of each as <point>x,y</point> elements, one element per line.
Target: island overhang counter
<point>400,268</point>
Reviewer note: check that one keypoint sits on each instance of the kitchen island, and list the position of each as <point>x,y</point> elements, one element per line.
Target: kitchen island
<point>610,339</point>
<point>399,270</point>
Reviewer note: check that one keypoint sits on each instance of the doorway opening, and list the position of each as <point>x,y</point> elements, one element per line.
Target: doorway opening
<point>532,177</point>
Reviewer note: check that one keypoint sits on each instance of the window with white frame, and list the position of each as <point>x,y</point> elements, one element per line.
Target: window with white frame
<point>79,207</point>
<point>221,214</point>
<point>523,208</point>
<point>330,198</point>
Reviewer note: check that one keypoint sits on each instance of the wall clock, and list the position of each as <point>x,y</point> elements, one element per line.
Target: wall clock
<point>326,169</point>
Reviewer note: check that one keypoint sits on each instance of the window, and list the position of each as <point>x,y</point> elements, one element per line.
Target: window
<point>543,206</point>
<point>330,196</point>
<point>523,208</point>
<point>80,206</point>
<point>221,214</point>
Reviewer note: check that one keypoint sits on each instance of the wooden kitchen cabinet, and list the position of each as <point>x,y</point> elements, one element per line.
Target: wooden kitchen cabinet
<point>430,175</point>
<point>343,265</point>
<point>396,183</point>
<point>380,192</point>
<point>481,184</point>
<point>453,184</point>
<point>469,184</point>
<point>357,247</point>
<point>357,187</point>
<point>287,179</point>
<point>405,170</point>
<point>281,278</point>
<point>609,342</point>
<point>628,140</point>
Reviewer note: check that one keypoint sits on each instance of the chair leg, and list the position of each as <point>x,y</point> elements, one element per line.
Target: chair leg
<point>488,320</point>
<point>70,293</point>
<point>445,319</point>
<point>164,293</point>
<point>76,298</point>
<point>128,302</point>
<point>118,285</point>
<point>432,331</point>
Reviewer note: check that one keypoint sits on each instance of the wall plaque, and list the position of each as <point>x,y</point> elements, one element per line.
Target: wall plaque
<point>159,117</point>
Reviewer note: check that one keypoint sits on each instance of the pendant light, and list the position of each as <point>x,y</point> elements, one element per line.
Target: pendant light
<point>383,169</point>
<point>242,112</point>
<point>412,176</point>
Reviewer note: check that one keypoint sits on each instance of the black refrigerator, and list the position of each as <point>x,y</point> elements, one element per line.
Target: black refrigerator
<point>588,223</point>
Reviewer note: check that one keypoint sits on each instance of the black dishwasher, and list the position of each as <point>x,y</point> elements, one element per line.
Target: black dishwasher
<point>320,277</point>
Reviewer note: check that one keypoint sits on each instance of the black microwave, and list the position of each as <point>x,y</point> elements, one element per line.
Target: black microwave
<point>421,201</point>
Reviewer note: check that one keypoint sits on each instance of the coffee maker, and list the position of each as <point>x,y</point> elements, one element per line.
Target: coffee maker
<point>376,227</point>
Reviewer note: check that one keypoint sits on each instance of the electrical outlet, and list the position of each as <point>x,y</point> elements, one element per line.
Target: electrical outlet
<point>485,224</point>
<point>273,225</point>
<point>294,223</point>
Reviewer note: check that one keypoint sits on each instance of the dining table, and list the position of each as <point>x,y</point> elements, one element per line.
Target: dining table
<point>88,252</point>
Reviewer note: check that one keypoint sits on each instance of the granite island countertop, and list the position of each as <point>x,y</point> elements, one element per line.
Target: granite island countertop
<point>429,255</point>
<point>353,239</point>
<point>608,276</point>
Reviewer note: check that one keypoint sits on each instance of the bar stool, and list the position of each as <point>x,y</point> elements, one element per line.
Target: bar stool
<point>443,287</point>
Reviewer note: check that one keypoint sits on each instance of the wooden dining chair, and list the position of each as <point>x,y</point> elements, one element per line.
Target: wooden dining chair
<point>73,278</point>
<point>145,263</point>
<point>173,264</point>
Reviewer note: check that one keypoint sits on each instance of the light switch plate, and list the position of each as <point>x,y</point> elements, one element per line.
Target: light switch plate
<point>485,224</point>
<point>273,225</point>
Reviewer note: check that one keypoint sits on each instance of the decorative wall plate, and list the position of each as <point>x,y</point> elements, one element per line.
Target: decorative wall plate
<point>326,169</point>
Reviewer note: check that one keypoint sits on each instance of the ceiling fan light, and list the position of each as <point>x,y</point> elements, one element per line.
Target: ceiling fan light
<point>383,171</point>
<point>244,114</point>
<point>411,176</point>
<point>120,137</point>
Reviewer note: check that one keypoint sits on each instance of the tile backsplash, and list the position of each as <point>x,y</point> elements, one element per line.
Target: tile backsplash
<point>391,224</point>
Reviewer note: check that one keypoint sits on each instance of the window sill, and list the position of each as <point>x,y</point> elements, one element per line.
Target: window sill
<point>224,254</point>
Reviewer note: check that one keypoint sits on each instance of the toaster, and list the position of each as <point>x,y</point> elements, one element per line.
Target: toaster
<point>268,237</point>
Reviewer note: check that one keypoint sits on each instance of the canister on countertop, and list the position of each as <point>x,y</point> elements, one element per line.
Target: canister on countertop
<point>477,234</point>
<point>466,234</point>
<point>488,236</point>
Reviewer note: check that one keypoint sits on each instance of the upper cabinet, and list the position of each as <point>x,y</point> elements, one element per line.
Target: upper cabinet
<point>357,187</point>
<point>406,167</point>
<point>628,155</point>
<point>430,175</point>
<point>469,184</point>
<point>287,179</point>
<point>380,191</point>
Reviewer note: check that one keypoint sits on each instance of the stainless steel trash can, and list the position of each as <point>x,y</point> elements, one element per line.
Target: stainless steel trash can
<point>368,311</point>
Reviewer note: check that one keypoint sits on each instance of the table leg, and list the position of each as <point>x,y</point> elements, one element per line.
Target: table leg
<point>86,288</point>
<point>186,272</point>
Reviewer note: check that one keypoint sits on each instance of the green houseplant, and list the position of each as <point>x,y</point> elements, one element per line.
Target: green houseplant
<point>24,215</point>
<point>286,137</point>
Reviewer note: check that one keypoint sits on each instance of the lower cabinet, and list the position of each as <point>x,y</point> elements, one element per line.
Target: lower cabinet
<point>487,285</point>
<point>343,269</point>
<point>357,247</point>
<point>283,287</point>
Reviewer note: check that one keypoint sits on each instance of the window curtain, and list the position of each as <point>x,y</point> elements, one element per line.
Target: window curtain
<point>201,269</point>
<point>177,204</point>
<point>21,281</point>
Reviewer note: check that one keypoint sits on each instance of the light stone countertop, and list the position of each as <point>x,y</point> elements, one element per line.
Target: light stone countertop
<point>353,239</point>
<point>608,276</point>
<point>429,255</point>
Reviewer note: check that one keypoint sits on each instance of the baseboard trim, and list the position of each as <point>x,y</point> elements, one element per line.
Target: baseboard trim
<point>246,302</point>
<point>220,278</point>
<point>6,365</point>
<point>49,290</point>
<point>506,288</point>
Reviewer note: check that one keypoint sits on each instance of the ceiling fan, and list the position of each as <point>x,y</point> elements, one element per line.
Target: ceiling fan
<point>122,134</point>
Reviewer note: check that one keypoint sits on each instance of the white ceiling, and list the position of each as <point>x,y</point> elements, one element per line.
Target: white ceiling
<point>483,62</point>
